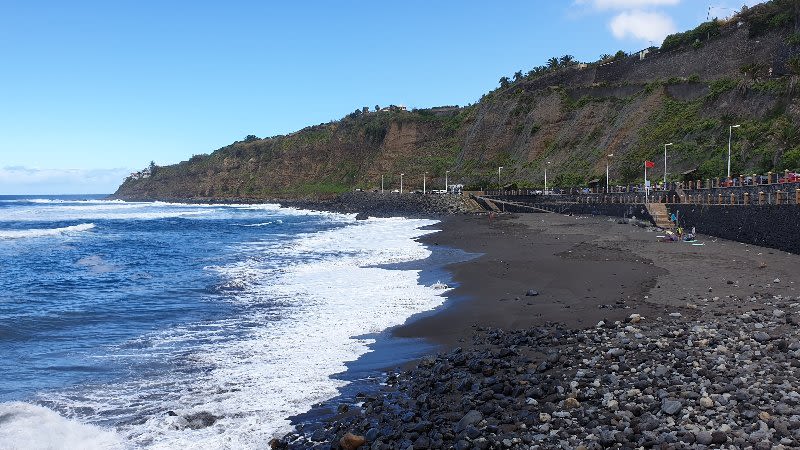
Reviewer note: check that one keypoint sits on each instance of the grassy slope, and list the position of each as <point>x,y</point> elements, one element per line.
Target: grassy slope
<point>560,116</point>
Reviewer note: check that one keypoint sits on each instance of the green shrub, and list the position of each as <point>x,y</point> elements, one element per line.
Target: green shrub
<point>720,86</point>
<point>791,159</point>
<point>704,31</point>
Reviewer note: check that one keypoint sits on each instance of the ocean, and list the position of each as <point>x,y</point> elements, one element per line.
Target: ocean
<point>164,325</point>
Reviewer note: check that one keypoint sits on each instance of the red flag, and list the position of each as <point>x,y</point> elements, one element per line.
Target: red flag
<point>649,164</point>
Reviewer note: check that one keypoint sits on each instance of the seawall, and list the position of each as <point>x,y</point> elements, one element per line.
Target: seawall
<point>775,226</point>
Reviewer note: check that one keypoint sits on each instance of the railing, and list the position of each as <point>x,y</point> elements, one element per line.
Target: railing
<point>783,195</point>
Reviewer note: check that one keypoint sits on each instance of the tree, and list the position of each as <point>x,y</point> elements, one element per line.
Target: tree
<point>552,63</point>
<point>377,108</point>
<point>504,81</point>
<point>250,137</point>
<point>620,54</point>
<point>566,60</point>
<point>605,56</point>
<point>517,75</point>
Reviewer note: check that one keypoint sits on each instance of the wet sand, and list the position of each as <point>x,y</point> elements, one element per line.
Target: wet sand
<point>587,269</point>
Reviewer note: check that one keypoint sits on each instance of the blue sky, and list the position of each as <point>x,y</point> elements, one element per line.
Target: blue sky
<point>91,90</point>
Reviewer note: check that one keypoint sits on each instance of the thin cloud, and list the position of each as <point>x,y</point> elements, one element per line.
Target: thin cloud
<point>642,25</point>
<point>21,180</point>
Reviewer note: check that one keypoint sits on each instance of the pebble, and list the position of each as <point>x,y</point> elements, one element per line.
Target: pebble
<point>712,381</point>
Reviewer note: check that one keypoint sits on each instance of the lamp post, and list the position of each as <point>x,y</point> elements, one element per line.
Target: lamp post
<point>608,182</point>
<point>499,185</point>
<point>665,164</point>
<point>545,177</point>
<point>730,136</point>
<point>445,181</point>
<point>424,177</point>
<point>381,183</point>
<point>401,182</point>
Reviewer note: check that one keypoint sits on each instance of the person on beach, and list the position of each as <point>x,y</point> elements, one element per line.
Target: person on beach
<point>491,217</point>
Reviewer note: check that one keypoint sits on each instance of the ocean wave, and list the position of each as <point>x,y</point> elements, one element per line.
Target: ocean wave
<point>307,306</point>
<point>44,232</point>
<point>27,426</point>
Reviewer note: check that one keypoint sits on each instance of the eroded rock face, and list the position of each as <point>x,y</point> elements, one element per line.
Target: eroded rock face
<point>665,382</point>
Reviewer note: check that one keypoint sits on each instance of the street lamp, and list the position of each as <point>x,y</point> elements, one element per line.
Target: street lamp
<point>424,176</point>
<point>401,182</point>
<point>607,177</point>
<point>665,164</point>
<point>445,180</point>
<point>499,185</point>
<point>730,135</point>
<point>545,177</point>
<point>381,183</point>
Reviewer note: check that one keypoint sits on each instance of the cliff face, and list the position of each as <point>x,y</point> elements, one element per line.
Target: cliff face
<point>571,117</point>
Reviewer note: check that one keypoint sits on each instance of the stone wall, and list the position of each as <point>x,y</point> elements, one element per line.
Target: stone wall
<point>775,226</point>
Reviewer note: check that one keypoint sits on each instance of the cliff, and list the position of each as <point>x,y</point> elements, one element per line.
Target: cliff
<point>743,71</point>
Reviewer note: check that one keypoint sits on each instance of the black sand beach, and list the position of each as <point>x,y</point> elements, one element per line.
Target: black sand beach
<point>629,342</point>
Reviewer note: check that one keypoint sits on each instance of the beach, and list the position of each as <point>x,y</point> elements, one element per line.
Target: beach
<point>561,316</point>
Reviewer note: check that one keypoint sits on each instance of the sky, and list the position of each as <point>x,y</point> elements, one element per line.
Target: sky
<point>93,90</point>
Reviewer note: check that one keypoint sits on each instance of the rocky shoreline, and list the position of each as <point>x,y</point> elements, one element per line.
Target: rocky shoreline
<point>365,204</point>
<point>702,378</point>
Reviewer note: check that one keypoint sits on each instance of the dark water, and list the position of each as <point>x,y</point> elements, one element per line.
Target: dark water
<point>113,313</point>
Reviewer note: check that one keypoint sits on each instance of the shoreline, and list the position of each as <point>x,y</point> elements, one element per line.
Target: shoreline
<point>589,270</point>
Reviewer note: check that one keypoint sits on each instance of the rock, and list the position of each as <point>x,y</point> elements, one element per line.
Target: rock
<point>544,417</point>
<point>778,313</point>
<point>277,444</point>
<point>362,216</point>
<point>532,293</point>
<point>675,314</point>
<point>671,407</point>
<point>351,441</point>
<point>372,434</point>
<point>200,420</point>
<point>635,318</point>
<point>571,403</point>
<point>719,437</point>
<point>704,438</point>
<point>706,402</point>
<point>615,352</point>
<point>761,336</point>
<point>470,418</point>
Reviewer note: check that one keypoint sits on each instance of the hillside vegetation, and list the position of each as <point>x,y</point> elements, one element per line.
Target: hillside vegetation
<point>742,71</point>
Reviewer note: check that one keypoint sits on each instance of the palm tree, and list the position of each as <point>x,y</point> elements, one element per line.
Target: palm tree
<point>567,60</point>
<point>552,63</point>
<point>504,82</point>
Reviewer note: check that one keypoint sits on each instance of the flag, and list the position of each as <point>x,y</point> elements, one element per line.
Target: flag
<point>649,164</point>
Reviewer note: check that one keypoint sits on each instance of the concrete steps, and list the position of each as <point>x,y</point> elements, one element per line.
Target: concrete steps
<point>660,215</point>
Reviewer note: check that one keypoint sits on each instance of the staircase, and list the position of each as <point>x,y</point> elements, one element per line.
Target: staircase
<point>660,215</point>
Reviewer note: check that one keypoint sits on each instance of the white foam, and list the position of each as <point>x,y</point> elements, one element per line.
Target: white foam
<point>304,320</point>
<point>43,232</point>
<point>63,210</point>
<point>29,427</point>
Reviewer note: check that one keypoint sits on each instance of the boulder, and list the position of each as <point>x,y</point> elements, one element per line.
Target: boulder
<point>351,441</point>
